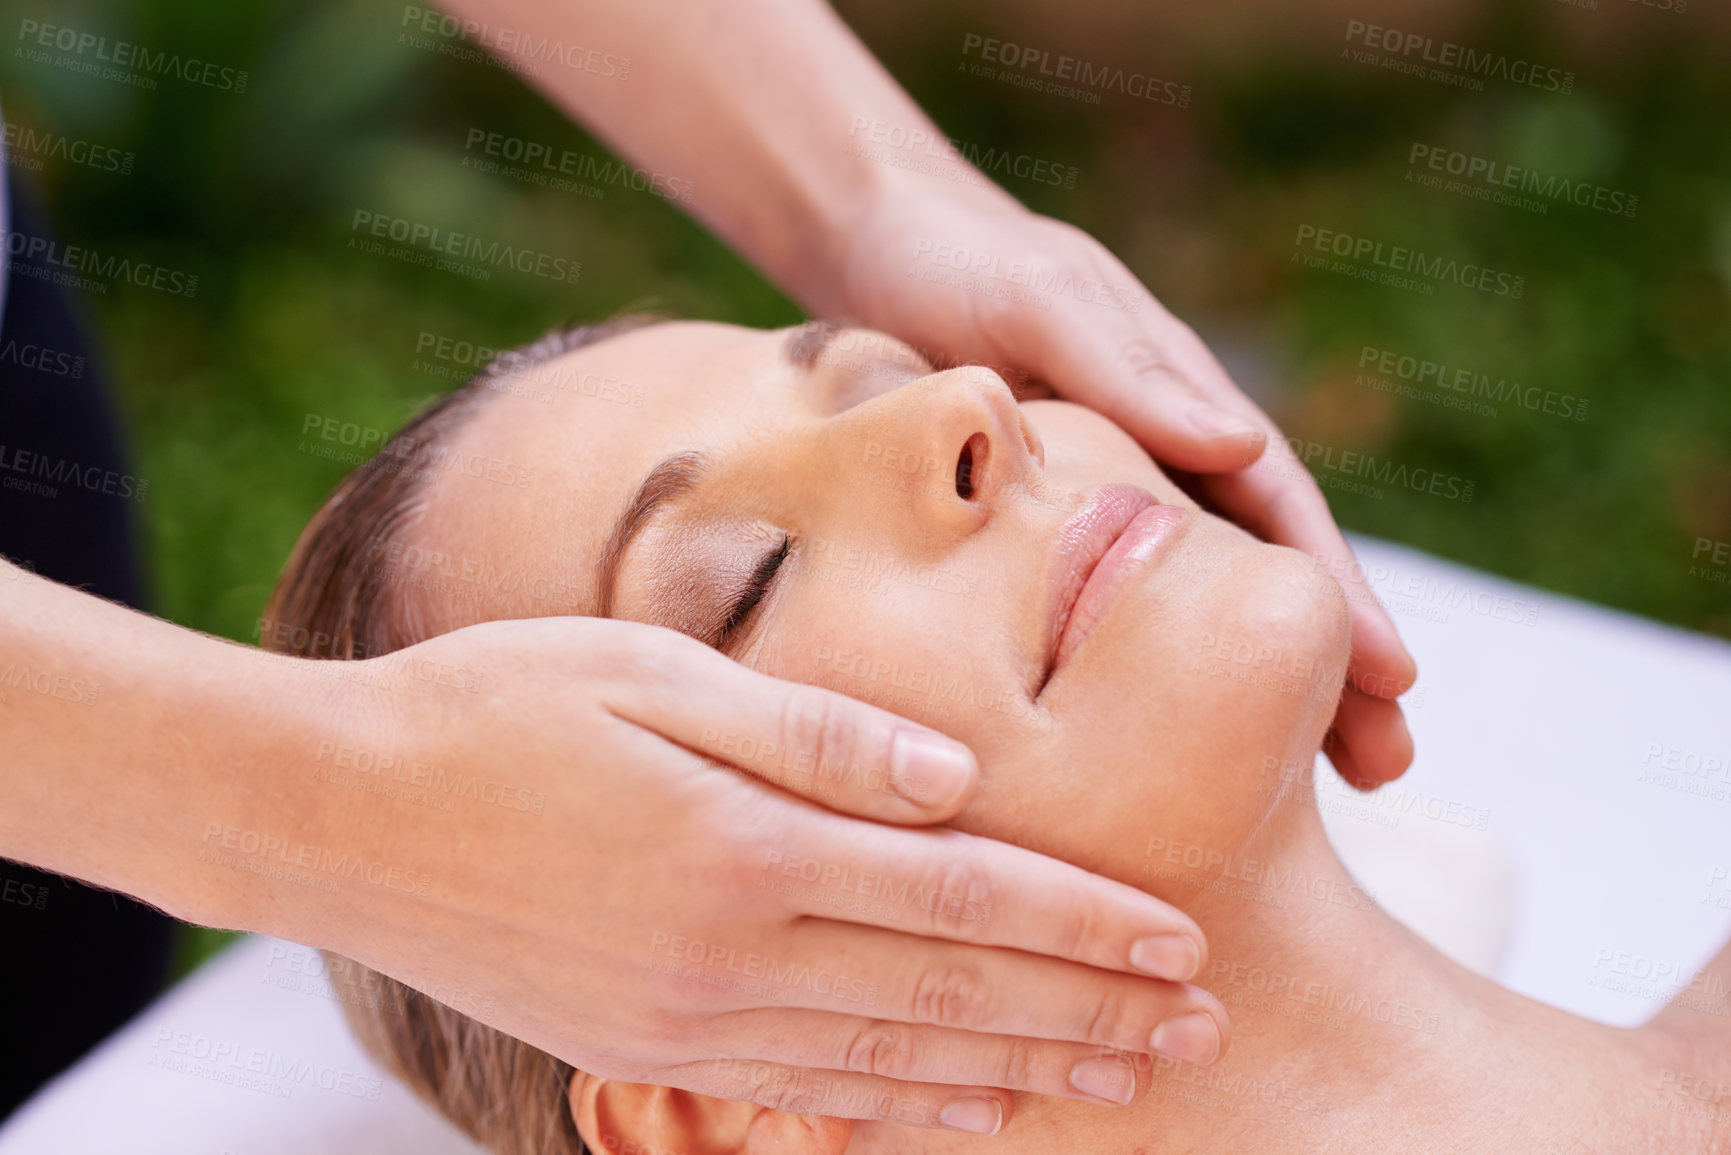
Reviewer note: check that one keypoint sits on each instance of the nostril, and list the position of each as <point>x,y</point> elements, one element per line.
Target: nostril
<point>970,464</point>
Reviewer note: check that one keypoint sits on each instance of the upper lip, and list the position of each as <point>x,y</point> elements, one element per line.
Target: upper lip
<point>1082,541</point>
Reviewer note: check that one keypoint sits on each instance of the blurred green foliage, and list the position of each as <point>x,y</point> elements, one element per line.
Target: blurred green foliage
<point>255,193</point>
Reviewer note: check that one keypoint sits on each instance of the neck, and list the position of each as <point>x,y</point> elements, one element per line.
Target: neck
<point>1348,1028</point>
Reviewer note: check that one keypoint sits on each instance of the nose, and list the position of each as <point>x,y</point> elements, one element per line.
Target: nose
<point>959,442</point>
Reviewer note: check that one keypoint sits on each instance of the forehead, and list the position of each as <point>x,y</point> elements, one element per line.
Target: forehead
<point>527,491</point>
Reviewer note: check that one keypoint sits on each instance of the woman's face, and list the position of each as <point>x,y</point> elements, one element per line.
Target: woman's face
<point>1019,576</point>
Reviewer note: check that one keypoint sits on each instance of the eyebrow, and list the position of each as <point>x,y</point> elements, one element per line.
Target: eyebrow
<point>675,474</point>
<point>672,477</point>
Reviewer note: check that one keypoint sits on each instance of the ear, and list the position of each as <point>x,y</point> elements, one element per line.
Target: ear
<point>638,1119</point>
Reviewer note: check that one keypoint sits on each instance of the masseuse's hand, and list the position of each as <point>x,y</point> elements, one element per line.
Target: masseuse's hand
<point>666,917</point>
<point>970,274</point>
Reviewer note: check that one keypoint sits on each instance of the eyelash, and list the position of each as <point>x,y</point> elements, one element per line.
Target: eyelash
<point>756,589</point>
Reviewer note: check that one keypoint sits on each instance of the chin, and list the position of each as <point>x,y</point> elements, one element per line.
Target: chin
<point>1220,667</point>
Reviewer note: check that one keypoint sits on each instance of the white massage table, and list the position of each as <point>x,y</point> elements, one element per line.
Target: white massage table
<point>1523,841</point>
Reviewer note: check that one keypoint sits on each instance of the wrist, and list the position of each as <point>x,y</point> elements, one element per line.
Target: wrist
<point>252,840</point>
<point>898,216</point>
<point>896,176</point>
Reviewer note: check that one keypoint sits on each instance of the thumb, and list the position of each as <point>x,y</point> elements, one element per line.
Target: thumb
<point>823,746</point>
<point>1155,378</point>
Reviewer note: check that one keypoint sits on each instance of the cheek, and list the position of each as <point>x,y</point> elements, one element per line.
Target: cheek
<point>1084,450</point>
<point>914,641</point>
<point>1222,671</point>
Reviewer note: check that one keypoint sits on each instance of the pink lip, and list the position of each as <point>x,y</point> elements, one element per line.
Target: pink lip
<point>1098,550</point>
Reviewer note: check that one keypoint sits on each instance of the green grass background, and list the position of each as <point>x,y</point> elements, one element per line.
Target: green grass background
<point>254,193</point>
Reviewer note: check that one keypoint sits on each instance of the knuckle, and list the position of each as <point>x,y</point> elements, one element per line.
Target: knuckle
<point>882,1049</point>
<point>958,899</point>
<point>791,1091</point>
<point>1081,931</point>
<point>640,661</point>
<point>952,996</point>
<point>1017,1064</point>
<point>1108,1022</point>
<point>817,724</point>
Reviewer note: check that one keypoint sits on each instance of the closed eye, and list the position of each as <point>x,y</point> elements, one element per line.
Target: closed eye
<point>755,590</point>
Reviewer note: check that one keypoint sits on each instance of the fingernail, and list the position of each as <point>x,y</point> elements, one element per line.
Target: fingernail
<point>980,1116</point>
<point>1191,1038</point>
<point>928,768</point>
<point>1166,956</point>
<point>1214,422</point>
<point>1110,1079</point>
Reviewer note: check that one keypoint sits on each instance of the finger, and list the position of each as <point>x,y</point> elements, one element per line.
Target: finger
<point>1378,746</point>
<point>1277,499</point>
<point>916,1053</point>
<point>835,751</point>
<point>845,1094</point>
<point>1000,992</point>
<point>949,885</point>
<point>1176,402</point>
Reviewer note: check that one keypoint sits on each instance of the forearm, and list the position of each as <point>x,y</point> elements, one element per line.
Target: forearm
<point>133,748</point>
<point>758,106</point>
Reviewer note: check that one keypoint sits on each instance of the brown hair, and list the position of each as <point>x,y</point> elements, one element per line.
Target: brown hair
<point>333,602</point>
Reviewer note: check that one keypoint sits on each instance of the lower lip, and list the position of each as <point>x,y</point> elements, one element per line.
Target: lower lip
<point>1138,547</point>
